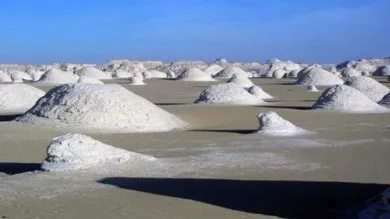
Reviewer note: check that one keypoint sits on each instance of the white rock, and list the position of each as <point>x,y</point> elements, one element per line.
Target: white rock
<point>228,72</point>
<point>147,75</point>
<point>36,75</point>
<point>272,124</point>
<point>77,151</point>
<point>138,75</point>
<point>18,76</point>
<point>102,108</point>
<point>228,93</point>
<point>382,71</point>
<point>89,80</point>
<point>5,77</point>
<point>312,88</point>
<point>350,72</point>
<point>241,81</point>
<point>137,81</point>
<point>369,86</point>
<point>318,76</point>
<point>259,93</point>
<point>18,98</point>
<point>122,74</point>
<point>213,69</point>
<point>156,74</point>
<point>293,73</point>
<point>194,74</point>
<point>93,72</point>
<point>346,99</point>
<point>56,76</point>
<point>279,74</point>
<point>172,75</point>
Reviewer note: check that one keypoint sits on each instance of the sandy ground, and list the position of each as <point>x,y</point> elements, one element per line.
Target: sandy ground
<point>216,169</point>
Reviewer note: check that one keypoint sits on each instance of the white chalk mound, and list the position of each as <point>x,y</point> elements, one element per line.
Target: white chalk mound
<point>279,74</point>
<point>56,76</point>
<point>319,76</point>
<point>194,74</point>
<point>213,69</point>
<point>137,81</point>
<point>4,77</point>
<point>385,100</point>
<point>18,76</point>
<point>228,93</point>
<point>259,93</point>
<point>346,99</point>
<point>312,88</point>
<point>102,108</point>
<point>156,74</point>
<point>89,80</point>
<point>369,86</point>
<point>122,74</point>
<point>93,73</point>
<point>77,151</point>
<point>272,124</point>
<point>241,81</point>
<point>228,72</point>
<point>382,71</point>
<point>18,98</point>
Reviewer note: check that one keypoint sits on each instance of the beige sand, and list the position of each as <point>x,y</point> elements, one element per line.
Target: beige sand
<point>344,161</point>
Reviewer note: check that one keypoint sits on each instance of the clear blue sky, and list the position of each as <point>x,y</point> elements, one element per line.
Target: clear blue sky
<point>325,31</point>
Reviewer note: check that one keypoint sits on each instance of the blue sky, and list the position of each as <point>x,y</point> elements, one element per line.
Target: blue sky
<point>327,31</point>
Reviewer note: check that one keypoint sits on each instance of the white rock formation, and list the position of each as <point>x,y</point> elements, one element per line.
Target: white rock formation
<point>346,99</point>
<point>385,100</point>
<point>156,74</point>
<point>350,72</point>
<point>122,74</point>
<point>77,151</point>
<point>172,75</point>
<point>101,108</point>
<point>228,93</point>
<point>241,81</point>
<point>147,75</point>
<point>279,74</point>
<point>213,69</point>
<point>369,86</point>
<point>272,124</point>
<point>194,74</point>
<point>4,77</point>
<point>35,74</point>
<point>319,76</point>
<point>312,88</point>
<point>18,98</point>
<point>382,71</point>
<point>56,76</point>
<point>228,72</point>
<point>89,80</point>
<point>259,93</point>
<point>93,72</point>
<point>137,81</point>
<point>293,73</point>
<point>18,76</point>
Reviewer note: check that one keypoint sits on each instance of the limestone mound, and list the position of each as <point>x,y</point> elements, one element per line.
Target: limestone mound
<point>156,74</point>
<point>351,72</point>
<point>228,93</point>
<point>4,77</point>
<point>272,124</point>
<point>194,74</point>
<point>137,81</point>
<point>56,76</point>
<point>259,93</point>
<point>122,74</point>
<point>228,72</point>
<point>101,108</point>
<point>93,73</point>
<point>18,76</point>
<point>312,88</point>
<point>77,151</point>
<point>240,81</point>
<point>318,76</point>
<point>213,69</point>
<point>89,80</point>
<point>346,99</point>
<point>382,71</point>
<point>368,86</point>
<point>18,98</point>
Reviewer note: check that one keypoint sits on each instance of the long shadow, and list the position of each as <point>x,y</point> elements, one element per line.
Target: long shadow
<point>8,118</point>
<point>287,199</point>
<point>169,104</point>
<point>10,168</point>
<point>287,107</point>
<point>235,131</point>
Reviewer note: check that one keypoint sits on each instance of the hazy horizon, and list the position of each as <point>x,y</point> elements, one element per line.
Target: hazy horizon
<point>43,31</point>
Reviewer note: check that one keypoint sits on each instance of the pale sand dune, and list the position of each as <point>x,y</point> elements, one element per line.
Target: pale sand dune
<point>346,148</point>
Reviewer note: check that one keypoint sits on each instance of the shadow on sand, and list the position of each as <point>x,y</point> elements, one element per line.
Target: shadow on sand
<point>8,118</point>
<point>235,131</point>
<point>10,168</point>
<point>287,107</point>
<point>287,199</point>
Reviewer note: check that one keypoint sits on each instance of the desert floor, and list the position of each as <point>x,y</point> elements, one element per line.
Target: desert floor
<point>215,169</point>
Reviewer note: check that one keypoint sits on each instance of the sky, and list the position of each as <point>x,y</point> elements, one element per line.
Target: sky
<point>94,31</point>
